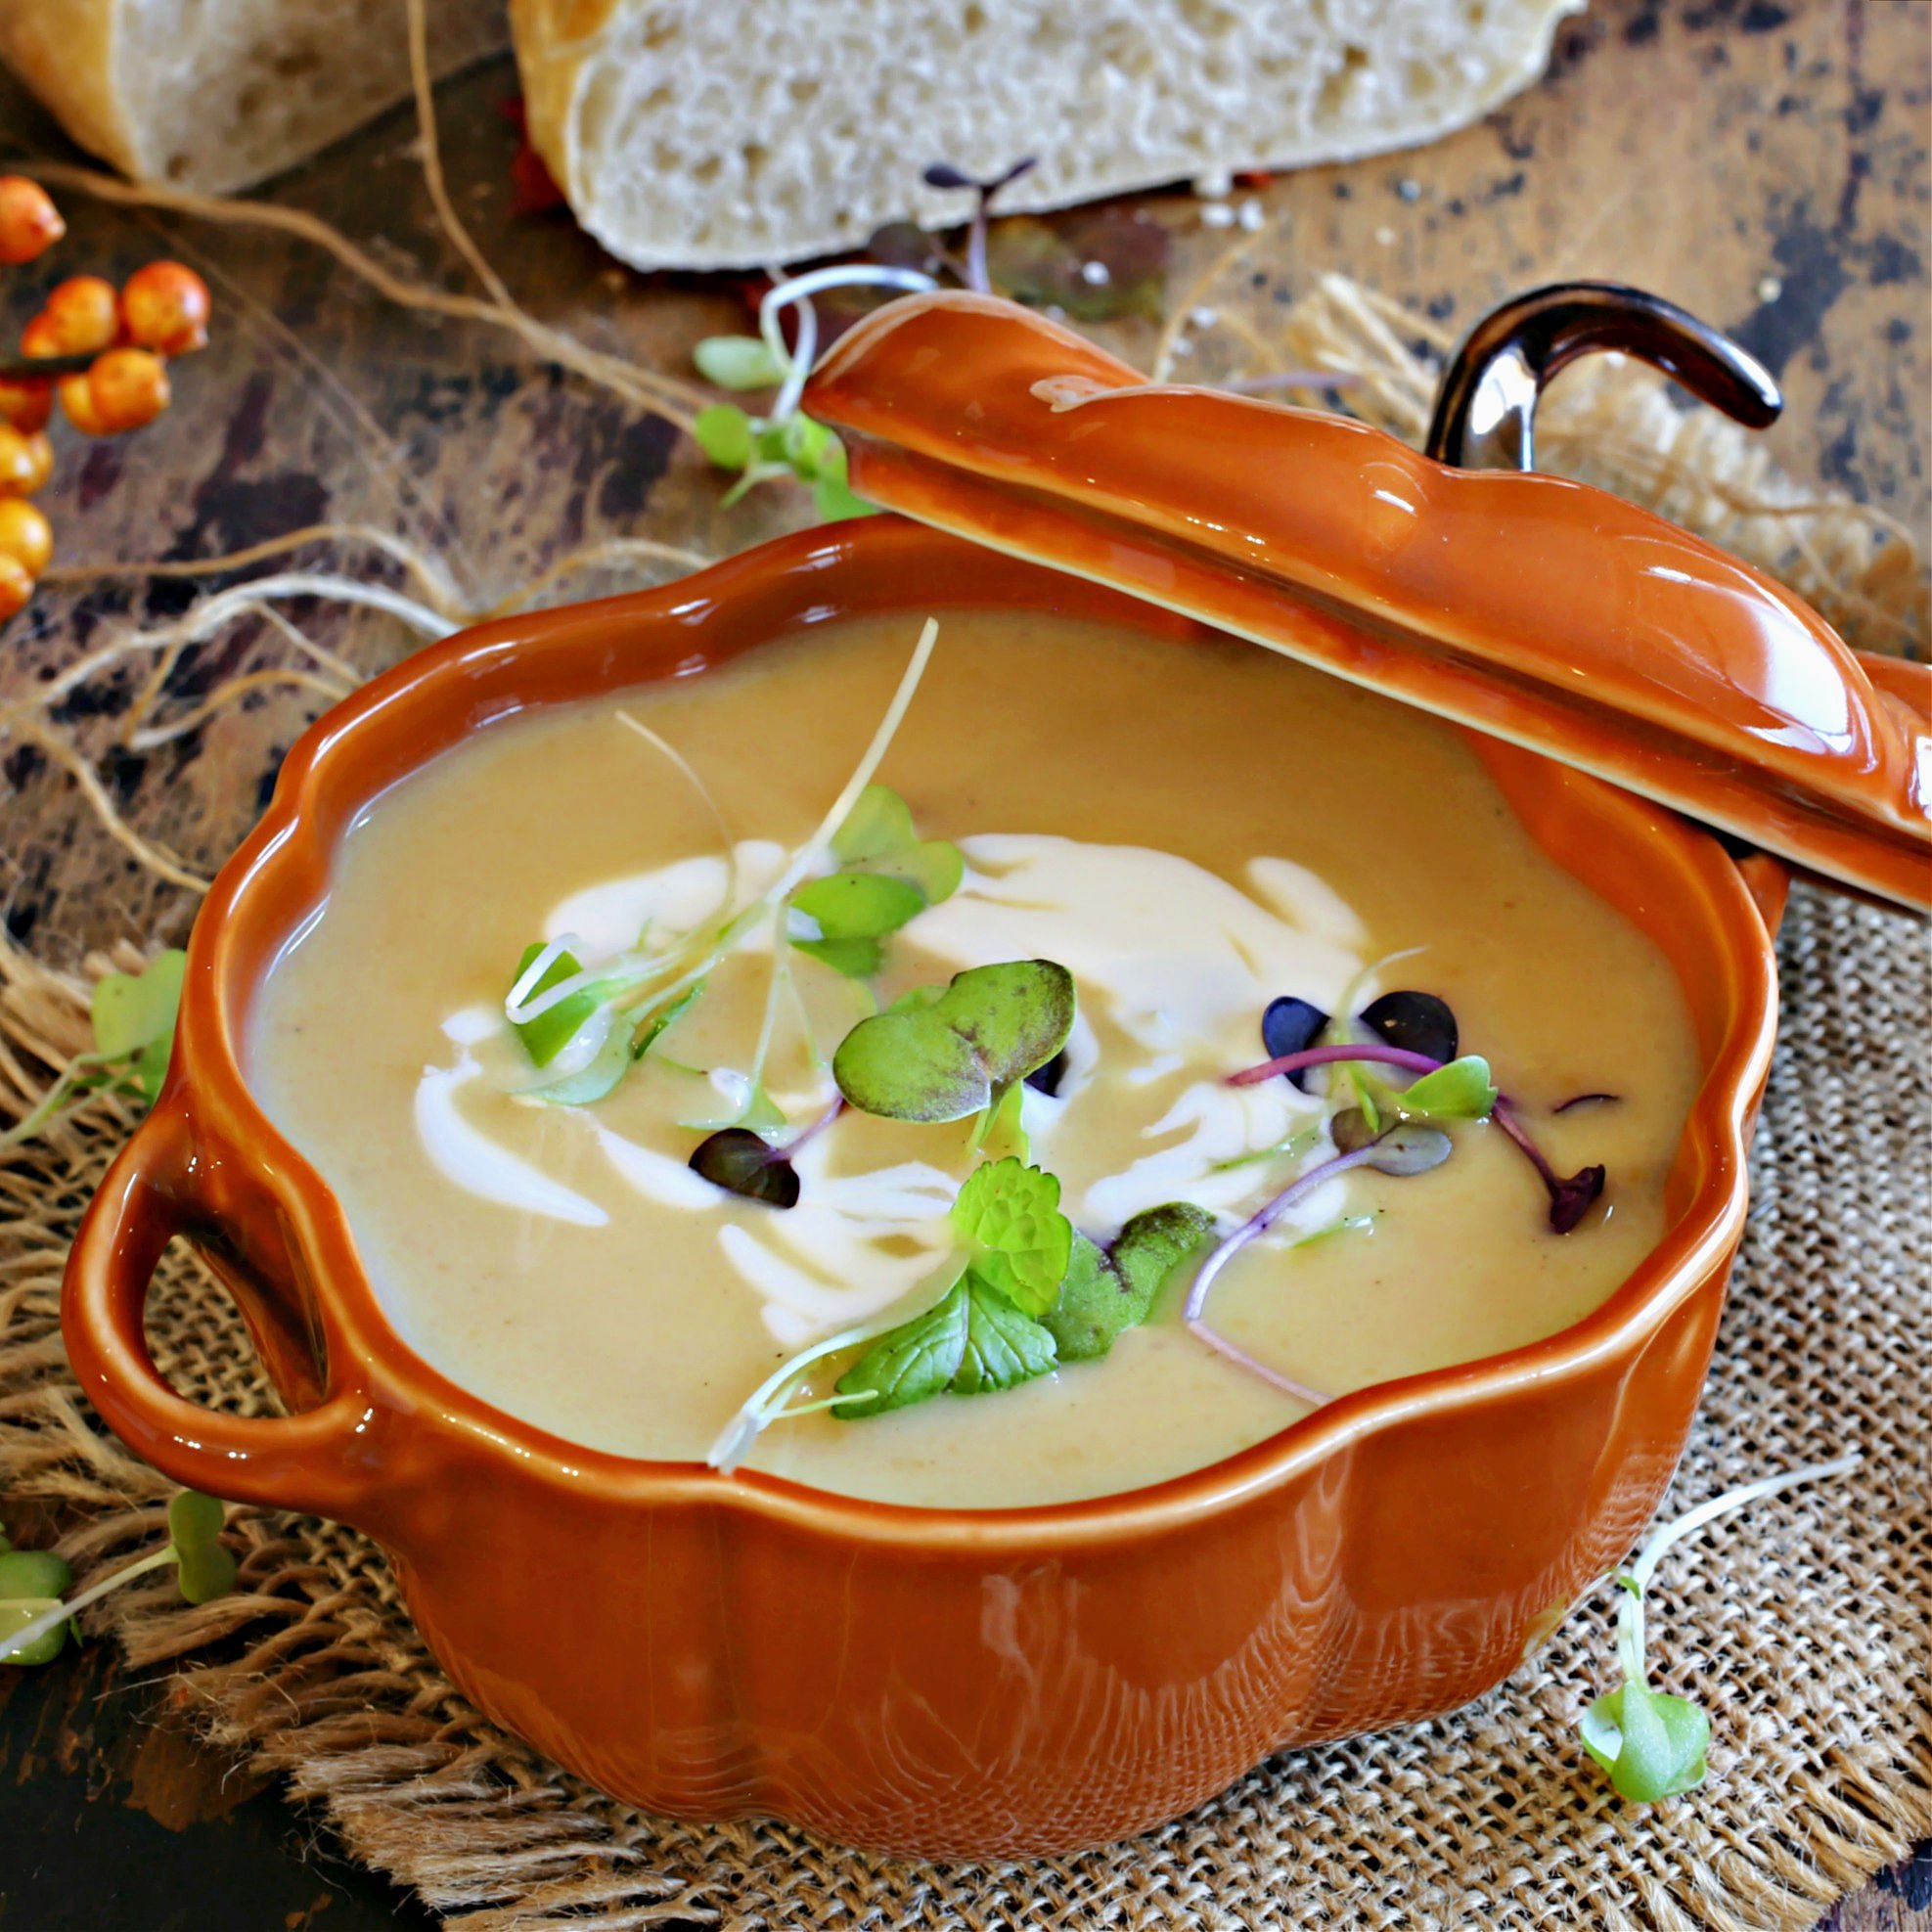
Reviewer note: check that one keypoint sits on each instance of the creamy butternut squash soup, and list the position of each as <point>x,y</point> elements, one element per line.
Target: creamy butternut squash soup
<point>917,1132</point>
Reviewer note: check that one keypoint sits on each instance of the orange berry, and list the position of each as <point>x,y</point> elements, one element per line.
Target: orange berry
<point>164,307</point>
<point>82,314</point>
<point>26,535</point>
<point>77,396</point>
<point>41,337</point>
<point>25,461</point>
<point>29,222</point>
<point>16,587</point>
<point>129,388</point>
<point>26,405</point>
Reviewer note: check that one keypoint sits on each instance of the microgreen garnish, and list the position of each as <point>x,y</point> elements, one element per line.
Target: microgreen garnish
<point>959,1052</point>
<point>1585,1100</point>
<point>1422,1022</point>
<point>1108,1289</point>
<point>1008,1215</point>
<point>1405,1149</point>
<point>133,1016</point>
<point>34,1621</point>
<point>1572,1195</point>
<point>1291,1025</point>
<point>746,1163</point>
<point>660,1020</point>
<point>546,1035</point>
<point>1447,1088</point>
<point>942,174</point>
<point>889,876</point>
<point>788,442</point>
<point>973,1342</point>
<point>1652,1743</point>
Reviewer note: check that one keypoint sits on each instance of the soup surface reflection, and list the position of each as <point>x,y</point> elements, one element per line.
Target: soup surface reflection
<point>1190,831</point>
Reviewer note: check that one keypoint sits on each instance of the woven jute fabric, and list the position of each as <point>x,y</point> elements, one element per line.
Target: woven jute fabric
<point>1804,1625</point>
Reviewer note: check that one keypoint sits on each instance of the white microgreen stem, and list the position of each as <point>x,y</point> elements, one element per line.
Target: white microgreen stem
<point>1294,378</point>
<point>1693,1520</point>
<point>727,843</point>
<point>31,1633</point>
<point>72,1077</point>
<point>766,1401</point>
<point>808,854</point>
<point>1250,1076</point>
<point>799,290</point>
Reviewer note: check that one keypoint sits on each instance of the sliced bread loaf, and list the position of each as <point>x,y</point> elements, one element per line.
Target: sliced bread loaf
<point>714,133</point>
<point>216,94</point>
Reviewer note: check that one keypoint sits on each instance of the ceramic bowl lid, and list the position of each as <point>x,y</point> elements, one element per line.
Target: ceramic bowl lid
<point>1532,608</point>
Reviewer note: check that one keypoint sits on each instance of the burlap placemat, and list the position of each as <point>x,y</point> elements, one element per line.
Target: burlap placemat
<point>1805,1625</point>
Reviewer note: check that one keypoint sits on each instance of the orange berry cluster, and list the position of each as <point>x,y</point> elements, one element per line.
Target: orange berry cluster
<point>162,311</point>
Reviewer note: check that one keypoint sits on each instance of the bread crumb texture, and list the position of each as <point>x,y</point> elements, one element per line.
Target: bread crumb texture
<point>691,134</point>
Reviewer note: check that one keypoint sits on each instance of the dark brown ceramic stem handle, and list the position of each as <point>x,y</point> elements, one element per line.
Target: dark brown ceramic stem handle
<point>1485,415</point>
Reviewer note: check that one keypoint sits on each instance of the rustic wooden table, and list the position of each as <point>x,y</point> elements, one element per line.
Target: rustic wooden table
<point>1763,161</point>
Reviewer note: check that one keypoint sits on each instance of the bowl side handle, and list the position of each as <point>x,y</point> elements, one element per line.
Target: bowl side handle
<point>316,1460</point>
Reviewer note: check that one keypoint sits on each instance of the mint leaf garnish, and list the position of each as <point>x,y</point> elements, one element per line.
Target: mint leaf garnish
<point>991,1027</point>
<point>1008,1215</point>
<point>1108,1289</point>
<point>1004,1346</point>
<point>974,1340</point>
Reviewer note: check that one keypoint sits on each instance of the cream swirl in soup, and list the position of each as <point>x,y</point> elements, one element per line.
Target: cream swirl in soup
<point>1191,832</point>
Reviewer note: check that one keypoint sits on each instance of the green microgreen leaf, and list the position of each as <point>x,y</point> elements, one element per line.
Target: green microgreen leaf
<point>1107,1290</point>
<point>133,1017</point>
<point>1651,1744</point>
<point>15,1615</point>
<point>551,1031</point>
<point>657,1023</point>
<point>725,435</point>
<point>739,362</point>
<point>877,835</point>
<point>1462,1090</point>
<point>989,1029</point>
<point>852,905</point>
<point>205,1569</point>
<point>1008,1215</point>
<point>1002,1129</point>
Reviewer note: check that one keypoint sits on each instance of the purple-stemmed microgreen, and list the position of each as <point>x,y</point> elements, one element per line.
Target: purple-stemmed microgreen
<point>942,174</point>
<point>34,1618</point>
<point>1651,1744</point>
<point>1585,1100</point>
<point>1407,1150</point>
<point>746,1163</point>
<point>1571,1196</point>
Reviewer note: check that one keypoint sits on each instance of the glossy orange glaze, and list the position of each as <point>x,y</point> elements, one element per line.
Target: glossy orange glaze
<point>1539,610</point>
<point>924,1681</point>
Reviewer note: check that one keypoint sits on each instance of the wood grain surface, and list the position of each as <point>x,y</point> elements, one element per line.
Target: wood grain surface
<point>1763,161</point>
